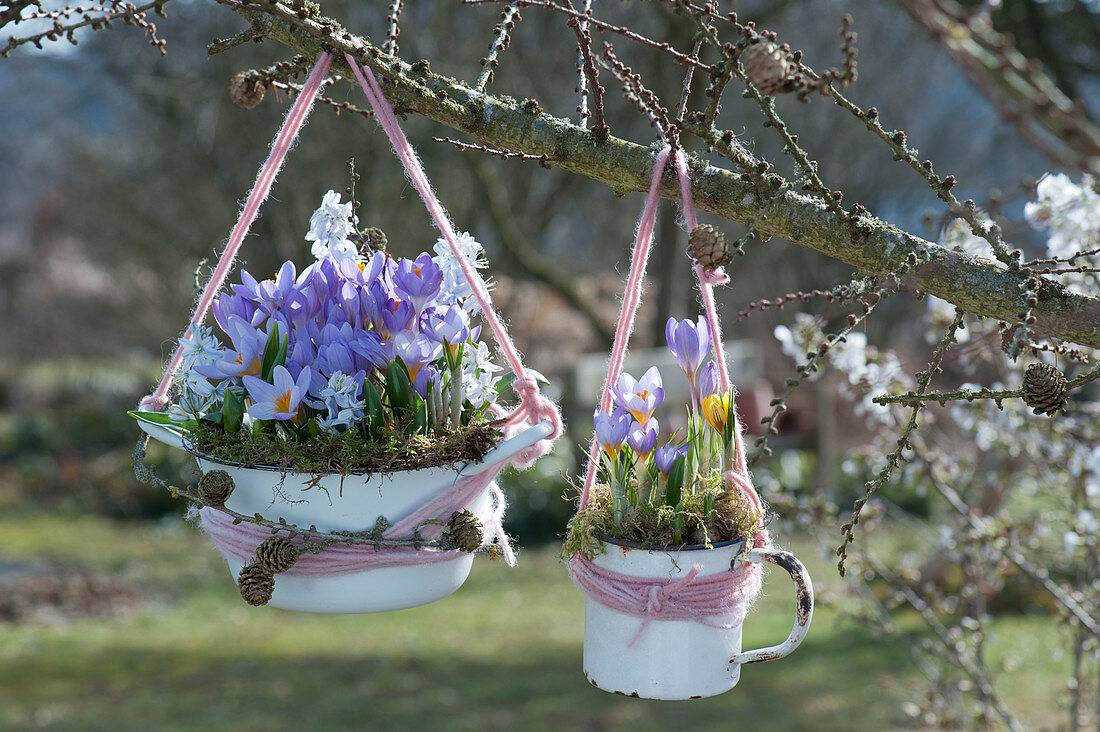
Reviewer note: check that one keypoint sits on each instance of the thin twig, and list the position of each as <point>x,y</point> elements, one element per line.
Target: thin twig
<point>221,45</point>
<point>393,27</point>
<point>496,152</point>
<point>897,458</point>
<point>501,41</point>
<point>600,130</point>
<point>661,46</point>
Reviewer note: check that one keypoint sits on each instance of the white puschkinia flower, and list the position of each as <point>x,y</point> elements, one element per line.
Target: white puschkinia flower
<point>329,228</point>
<point>478,380</point>
<point>196,397</point>
<point>341,400</point>
<point>342,389</point>
<point>1071,213</point>
<point>454,282</point>
<point>201,349</point>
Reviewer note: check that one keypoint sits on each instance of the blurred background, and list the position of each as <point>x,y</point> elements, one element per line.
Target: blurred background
<point>123,174</point>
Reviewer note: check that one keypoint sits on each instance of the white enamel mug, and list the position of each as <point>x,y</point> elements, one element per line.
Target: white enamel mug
<point>674,659</point>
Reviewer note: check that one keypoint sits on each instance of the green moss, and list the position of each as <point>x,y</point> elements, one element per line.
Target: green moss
<point>656,526</point>
<point>349,452</point>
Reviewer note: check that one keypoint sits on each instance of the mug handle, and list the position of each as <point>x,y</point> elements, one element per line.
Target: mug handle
<point>804,604</point>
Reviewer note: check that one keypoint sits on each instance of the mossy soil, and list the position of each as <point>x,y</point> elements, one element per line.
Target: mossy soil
<point>349,452</point>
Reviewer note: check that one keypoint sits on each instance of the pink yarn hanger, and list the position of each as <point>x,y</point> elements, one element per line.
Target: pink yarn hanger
<point>737,474</point>
<point>534,407</point>
<point>727,595</point>
<point>292,124</point>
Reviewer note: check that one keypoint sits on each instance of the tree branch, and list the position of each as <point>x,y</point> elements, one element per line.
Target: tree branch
<point>975,285</point>
<point>1006,77</point>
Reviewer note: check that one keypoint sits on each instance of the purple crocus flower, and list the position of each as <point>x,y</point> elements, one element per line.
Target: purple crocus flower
<point>416,350</point>
<point>249,287</point>
<point>374,301</point>
<point>239,306</point>
<point>425,379</point>
<point>396,316</point>
<point>639,396</point>
<point>612,430</point>
<point>245,355</point>
<point>348,298</point>
<point>372,350</point>
<point>689,343</point>
<point>643,438</point>
<point>451,327</point>
<point>279,401</point>
<point>274,294</point>
<point>665,457</point>
<point>363,274</point>
<point>418,280</point>
<point>335,356</point>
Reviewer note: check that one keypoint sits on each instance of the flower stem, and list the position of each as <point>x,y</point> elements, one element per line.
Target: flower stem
<point>456,397</point>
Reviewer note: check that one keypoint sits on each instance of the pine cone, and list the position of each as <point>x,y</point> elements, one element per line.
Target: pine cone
<point>256,584</point>
<point>1044,388</point>
<point>768,68</point>
<point>374,238</point>
<point>277,554</point>
<point>246,90</point>
<point>215,487</point>
<point>464,531</point>
<point>708,247</point>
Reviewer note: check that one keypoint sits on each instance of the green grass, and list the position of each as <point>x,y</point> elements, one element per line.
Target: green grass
<point>503,653</point>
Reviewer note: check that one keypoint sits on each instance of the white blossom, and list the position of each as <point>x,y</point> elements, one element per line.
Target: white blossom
<point>329,228</point>
<point>478,380</point>
<point>956,234</point>
<point>201,349</point>
<point>1070,212</point>
<point>455,287</point>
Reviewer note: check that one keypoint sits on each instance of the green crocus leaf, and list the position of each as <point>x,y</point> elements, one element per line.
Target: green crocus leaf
<point>215,417</point>
<point>399,388</point>
<point>420,415</point>
<point>158,418</point>
<point>731,422</point>
<point>374,412</point>
<point>271,354</point>
<point>232,413</point>
<point>675,481</point>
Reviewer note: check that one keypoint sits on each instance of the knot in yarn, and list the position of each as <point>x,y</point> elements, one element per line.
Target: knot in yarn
<point>536,408</point>
<point>716,600</point>
<point>713,278</point>
<point>153,400</point>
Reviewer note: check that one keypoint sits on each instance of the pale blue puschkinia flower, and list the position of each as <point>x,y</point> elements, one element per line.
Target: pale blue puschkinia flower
<point>196,396</point>
<point>343,389</point>
<point>341,398</point>
<point>455,287</point>
<point>478,369</point>
<point>329,228</point>
<point>201,349</point>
